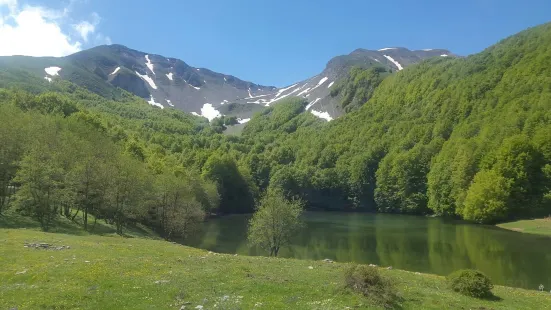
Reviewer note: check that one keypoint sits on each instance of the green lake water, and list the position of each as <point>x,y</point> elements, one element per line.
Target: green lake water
<point>428,245</point>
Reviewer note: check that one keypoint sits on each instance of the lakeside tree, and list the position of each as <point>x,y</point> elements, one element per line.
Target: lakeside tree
<point>178,211</point>
<point>275,221</point>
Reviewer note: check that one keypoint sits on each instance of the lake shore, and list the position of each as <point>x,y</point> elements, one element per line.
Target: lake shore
<point>533,226</point>
<point>133,273</point>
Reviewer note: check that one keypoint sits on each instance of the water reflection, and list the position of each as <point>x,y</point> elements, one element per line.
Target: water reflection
<point>421,244</point>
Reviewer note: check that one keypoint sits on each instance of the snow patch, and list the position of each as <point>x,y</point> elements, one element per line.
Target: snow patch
<point>427,49</point>
<point>259,101</point>
<point>444,55</point>
<point>116,70</point>
<point>394,62</point>
<point>224,102</point>
<point>195,113</point>
<point>277,97</point>
<point>377,60</point>
<point>149,64</point>
<point>52,70</point>
<point>153,103</point>
<point>198,69</point>
<point>387,48</point>
<point>209,112</point>
<point>323,80</point>
<point>279,92</point>
<point>254,97</point>
<point>243,121</point>
<point>49,79</point>
<point>330,84</point>
<point>312,103</point>
<point>169,103</point>
<point>149,80</point>
<point>304,92</point>
<point>324,115</point>
<point>170,76</point>
<point>225,80</point>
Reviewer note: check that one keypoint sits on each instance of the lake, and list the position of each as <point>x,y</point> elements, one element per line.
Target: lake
<point>420,244</point>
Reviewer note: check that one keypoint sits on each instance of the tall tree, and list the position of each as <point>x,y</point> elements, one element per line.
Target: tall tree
<point>275,221</point>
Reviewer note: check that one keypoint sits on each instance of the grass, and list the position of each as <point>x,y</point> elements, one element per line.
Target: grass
<point>12,219</point>
<point>534,226</point>
<point>111,272</point>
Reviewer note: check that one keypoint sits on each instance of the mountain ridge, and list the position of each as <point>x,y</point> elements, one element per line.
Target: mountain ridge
<point>168,82</point>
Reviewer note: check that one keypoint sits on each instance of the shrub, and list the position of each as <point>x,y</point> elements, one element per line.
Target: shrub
<point>370,283</point>
<point>471,283</point>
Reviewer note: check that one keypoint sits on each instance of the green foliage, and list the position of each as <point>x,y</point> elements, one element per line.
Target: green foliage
<point>234,185</point>
<point>461,137</point>
<point>275,221</point>
<point>358,87</point>
<point>486,199</point>
<point>75,153</point>
<point>470,283</point>
<point>369,282</point>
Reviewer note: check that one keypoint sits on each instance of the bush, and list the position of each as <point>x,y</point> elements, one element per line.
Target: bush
<point>471,283</point>
<point>370,283</point>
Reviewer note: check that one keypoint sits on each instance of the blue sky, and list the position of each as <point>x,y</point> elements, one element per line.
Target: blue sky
<point>271,42</point>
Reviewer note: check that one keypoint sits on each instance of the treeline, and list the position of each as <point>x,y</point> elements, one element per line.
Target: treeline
<point>57,160</point>
<point>458,137</point>
<point>467,138</point>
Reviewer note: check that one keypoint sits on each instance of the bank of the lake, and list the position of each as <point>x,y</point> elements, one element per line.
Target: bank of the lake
<point>533,226</point>
<point>102,272</point>
<point>413,243</point>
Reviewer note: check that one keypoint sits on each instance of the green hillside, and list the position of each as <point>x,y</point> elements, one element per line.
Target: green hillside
<point>461,137</point>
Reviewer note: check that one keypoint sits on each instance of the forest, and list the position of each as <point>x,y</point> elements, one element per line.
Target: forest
<point>466,138</point>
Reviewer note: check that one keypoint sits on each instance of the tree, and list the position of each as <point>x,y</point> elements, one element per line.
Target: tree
<point>44,184</point>
<point>129,192</point>
<point>13,133</point>
<point>486,200</point>
<point>236,190</point>
<point>178,211</point>
<point>275,221</point>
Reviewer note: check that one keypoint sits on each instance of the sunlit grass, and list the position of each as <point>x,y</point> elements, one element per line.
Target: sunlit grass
<point>111,272</point>
<point>535,226</point>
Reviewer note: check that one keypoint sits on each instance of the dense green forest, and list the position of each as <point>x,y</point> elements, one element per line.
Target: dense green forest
<point>464,137</point>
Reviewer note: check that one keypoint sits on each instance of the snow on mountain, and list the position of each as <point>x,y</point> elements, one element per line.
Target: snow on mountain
<point>115,72</point>
<point>324,115</point>
<point>149,64</point>
<point>153,103</point>
<point>198,89</point>
<point>394,62</point>
<point>149,80</point>
<point>209,112</point>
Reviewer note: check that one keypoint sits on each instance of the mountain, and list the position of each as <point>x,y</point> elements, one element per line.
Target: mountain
<point>317,88</point>
<point>172,83</point>
<point>464,137</point>
<point>461,137</point>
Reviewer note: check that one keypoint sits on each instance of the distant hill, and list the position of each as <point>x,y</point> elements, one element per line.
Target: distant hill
<point>171,83</point>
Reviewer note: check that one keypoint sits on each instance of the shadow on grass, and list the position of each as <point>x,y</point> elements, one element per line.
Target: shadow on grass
<point>492,297</point>
<point>13,220</point>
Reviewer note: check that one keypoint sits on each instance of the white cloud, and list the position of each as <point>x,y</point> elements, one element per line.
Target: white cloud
<point>85,28</point>
<point>39,31</point>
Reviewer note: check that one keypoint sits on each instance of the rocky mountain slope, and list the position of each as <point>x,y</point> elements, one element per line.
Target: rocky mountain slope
<point>171,83</point>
